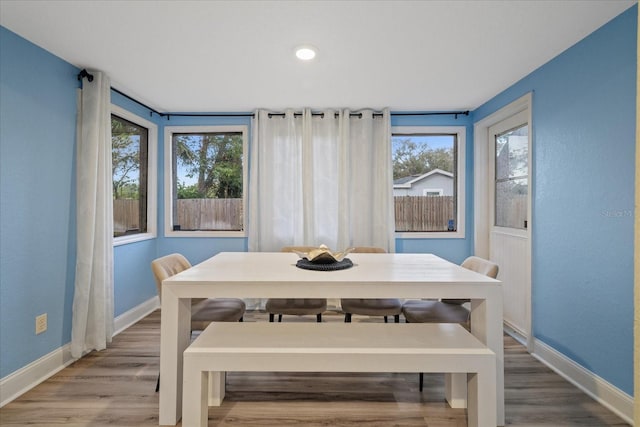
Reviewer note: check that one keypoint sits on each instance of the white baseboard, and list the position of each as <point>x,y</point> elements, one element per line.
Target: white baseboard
<point>19,382</point>
<point>134,315</point>
<point>603,392</point>
<point>24,379</point>
<point>514,333</point>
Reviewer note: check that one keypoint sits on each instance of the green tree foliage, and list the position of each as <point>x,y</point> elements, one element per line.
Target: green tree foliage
<point>188,191</point>
<point>215,160</point>
<point>125,159</point>
<point>410,158</point>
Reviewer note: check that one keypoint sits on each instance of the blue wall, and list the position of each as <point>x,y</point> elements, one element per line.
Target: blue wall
<point>583,174</point>
<point>37,200</point>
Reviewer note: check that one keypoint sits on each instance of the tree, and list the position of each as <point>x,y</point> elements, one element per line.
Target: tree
<point>188,191</point>
<point>125,159</point>
<point>409,158</point>
<point>215,160</point>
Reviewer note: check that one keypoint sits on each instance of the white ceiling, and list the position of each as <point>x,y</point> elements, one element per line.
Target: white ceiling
<point>228,56</point>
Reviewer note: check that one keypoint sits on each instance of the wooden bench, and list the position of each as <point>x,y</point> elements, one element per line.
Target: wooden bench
<point>335,347</point>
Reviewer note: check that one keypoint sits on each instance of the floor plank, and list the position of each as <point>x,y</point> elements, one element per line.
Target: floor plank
<point>115,387</point>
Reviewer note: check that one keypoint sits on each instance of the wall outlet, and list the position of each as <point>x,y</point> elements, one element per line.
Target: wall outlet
<point>41,323</point>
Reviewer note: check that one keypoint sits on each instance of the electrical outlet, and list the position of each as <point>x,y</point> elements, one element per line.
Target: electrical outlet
<point>41,323</point>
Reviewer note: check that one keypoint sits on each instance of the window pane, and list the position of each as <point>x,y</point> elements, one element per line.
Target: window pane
<point>512,169</point>
<point>129,161</point>
<point>424,186</point>
<point>512,154</point>
<point>511,203</point>
<point>207,181</point>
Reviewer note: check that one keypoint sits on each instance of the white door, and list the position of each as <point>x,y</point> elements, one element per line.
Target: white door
<point>509,217</point>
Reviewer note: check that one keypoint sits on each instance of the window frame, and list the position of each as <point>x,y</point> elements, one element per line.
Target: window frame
<point>152,176</point>
<point>460,132</point>
<point>168,179</point>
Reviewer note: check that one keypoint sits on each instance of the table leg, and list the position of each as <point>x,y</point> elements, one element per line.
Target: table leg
<point>175,331</point>
<point>486,325</point>
<point>482,396</point>
<point>217,384</point>
<point>194,405</point>
<point>455,389</point>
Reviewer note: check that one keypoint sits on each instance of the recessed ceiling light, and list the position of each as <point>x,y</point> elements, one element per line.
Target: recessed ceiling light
<point>306,52</point>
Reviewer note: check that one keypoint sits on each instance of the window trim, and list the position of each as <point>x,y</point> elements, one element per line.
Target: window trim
<point>168,178</point>
<point>461,133</point>
<point>152,177</point>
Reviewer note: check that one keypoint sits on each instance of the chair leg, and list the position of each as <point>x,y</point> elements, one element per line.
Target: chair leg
<point>158,384</point>
<point>397,318</point>
<point>347,318</point>
<point>241,319</point>
<point>319,318</point>
<point>421,381</point>
<point>271,317</point>
<point>385,319</point>
<point>279,318</point>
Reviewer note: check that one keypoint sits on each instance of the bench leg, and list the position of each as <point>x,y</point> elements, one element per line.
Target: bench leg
<point>455,389</point>
<point>482,398</point>
<point>216,387</point>
<point>195,410</point>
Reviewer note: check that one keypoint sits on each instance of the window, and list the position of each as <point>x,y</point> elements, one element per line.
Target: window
<point>205,183</point>
<point>433,192</point>
<point>132,161</point>
<point>428,186</point>
<point>512,178</point>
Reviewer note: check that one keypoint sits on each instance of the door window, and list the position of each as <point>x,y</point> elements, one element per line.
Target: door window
<point>512,178</point>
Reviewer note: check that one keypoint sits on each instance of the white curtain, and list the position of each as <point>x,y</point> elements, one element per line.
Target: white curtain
<point>321,179</point>
<point>92,323</point>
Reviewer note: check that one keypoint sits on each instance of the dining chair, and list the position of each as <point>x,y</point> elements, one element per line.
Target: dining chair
<point>367,306</point>
<point>203,310</point>
<point>447,310</point>
<point>296,306</point>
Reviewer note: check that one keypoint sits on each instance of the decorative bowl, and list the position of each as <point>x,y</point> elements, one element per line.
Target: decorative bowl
<point>324,255</point>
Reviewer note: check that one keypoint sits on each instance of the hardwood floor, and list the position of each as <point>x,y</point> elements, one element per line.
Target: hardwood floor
<point>115,387</point>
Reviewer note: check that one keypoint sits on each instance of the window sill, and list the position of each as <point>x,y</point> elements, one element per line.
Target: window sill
<point>237,234</point>
<point>431,235</point>
<point>125,240</point>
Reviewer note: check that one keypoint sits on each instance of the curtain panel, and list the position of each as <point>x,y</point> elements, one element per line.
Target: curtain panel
<point>321,179</point>
<point>92,322</point>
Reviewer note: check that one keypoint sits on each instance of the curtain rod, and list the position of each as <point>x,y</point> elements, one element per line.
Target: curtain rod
<point>84,73</point>
<point>377,114</point>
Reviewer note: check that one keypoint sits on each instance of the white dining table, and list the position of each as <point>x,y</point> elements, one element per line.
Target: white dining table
<point>275,275</point>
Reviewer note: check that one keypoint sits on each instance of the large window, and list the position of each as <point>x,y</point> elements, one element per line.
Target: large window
<point>428,186</point>
<point>206,181</point>
<point>132,140</point>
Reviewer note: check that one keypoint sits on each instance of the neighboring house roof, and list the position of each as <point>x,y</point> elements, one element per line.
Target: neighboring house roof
<point>408,181</point>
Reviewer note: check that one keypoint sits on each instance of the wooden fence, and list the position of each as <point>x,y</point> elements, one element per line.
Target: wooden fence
<point>423,213</point>
<point>513,212</point>
<point>125,216</point>
<point>209,214</point>
<point>413,213</point>
<point>192,214</point>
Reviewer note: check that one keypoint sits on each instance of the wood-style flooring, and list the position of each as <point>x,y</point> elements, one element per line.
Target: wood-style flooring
<point>115,387</point>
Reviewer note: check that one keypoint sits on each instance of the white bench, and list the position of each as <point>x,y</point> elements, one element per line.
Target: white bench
<point>335,347</point>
